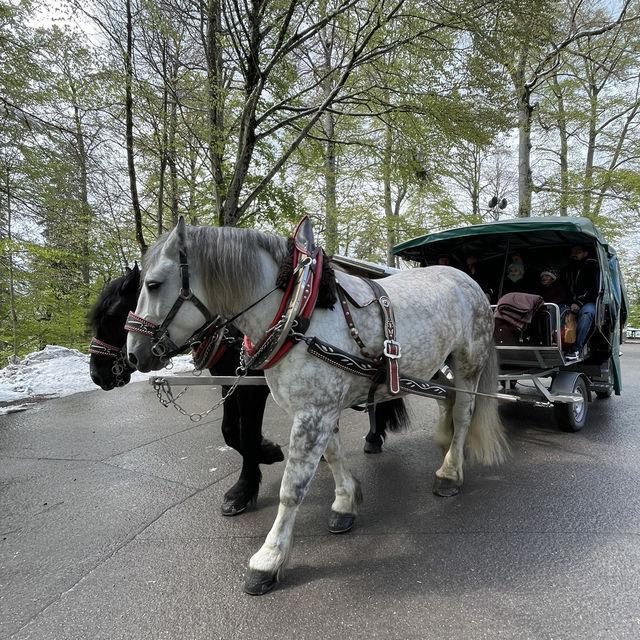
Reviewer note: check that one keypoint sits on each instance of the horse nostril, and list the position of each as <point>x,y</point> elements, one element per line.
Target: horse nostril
<point>132,359</point>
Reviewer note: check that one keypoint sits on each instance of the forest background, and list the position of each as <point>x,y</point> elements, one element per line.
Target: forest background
<point>379,119</point>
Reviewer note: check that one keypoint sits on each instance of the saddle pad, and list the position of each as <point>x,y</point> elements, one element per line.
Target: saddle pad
<point>358,291</point>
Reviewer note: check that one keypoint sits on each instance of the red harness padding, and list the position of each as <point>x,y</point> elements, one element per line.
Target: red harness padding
<point>306,306</point>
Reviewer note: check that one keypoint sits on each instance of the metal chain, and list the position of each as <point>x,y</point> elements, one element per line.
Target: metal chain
<point>162,387</point>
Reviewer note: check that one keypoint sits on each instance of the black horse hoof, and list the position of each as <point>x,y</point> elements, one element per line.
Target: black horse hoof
<point>445,487</point>
<point>257,583</point>
<point>270,452</point>
<point>234,507</point>
<point>341,522</point>
<point>372,447</point>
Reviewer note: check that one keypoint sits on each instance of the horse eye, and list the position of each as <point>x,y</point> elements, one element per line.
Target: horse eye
<point>152,284</point>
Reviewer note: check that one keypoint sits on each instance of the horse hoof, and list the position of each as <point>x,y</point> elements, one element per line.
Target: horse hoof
<point>270,452</point>
<point>341,522</point>
<point>445,487</point>
<point>234,507</point>
<point>372,447</point>
<point>257,583</point>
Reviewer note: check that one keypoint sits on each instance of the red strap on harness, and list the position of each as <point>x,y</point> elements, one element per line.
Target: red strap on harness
<point>308,303</point>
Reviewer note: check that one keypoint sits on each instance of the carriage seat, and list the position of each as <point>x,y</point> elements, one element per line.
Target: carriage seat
<point>522,319</point>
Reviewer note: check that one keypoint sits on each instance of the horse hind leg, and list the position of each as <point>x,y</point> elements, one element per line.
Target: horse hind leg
<point>348,494</point>
<point>391,415</point>
<point>455,418</point>
<point>476,424</point>
<point>444,430</point>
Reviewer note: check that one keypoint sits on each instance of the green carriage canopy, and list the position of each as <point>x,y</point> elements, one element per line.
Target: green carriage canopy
<point>542,237</point>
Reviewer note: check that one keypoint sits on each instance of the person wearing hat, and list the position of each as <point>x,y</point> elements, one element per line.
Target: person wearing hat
<point>550,288</point>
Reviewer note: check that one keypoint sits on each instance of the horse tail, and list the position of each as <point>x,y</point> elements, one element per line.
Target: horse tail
<point>392,415</point>
<point>486,439</point>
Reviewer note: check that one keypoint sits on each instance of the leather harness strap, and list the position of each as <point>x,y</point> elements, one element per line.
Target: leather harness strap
<point>342,298</point>
<point>392,349</point>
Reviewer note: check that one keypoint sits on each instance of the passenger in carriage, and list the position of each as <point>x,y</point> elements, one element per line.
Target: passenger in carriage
<point>473,269</point>
<point>514,279</point>
<point>519,277</point>
<point>582,280</point>
<point>552,290</point>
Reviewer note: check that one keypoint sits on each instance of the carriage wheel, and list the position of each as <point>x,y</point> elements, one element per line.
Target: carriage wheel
<point>573,416</point>
<point>606,393</point>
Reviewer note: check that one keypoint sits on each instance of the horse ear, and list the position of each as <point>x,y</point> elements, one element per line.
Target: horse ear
<point>175,240</point>
<point>131,280</point>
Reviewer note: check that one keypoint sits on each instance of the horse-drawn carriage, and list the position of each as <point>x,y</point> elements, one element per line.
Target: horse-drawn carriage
<point>533,362</point>
<point>418,331</point>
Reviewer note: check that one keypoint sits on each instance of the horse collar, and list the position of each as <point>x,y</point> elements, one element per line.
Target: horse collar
<point>298,302</point>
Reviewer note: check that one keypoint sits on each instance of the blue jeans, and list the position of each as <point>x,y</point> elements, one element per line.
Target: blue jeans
<point>585,319</point>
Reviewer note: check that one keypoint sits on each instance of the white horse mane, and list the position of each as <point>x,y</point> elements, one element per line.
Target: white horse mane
<point>225,256</point>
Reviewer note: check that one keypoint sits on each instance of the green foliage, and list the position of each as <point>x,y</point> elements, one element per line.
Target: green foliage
<point>418,131</point>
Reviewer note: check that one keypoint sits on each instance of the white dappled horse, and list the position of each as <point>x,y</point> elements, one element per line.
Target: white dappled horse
<point>441,315</point>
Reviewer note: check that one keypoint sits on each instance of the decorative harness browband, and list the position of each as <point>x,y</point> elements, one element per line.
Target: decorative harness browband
<point>120,363</point>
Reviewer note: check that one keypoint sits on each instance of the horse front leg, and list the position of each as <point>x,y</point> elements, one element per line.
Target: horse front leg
<point>242,429</point>
<point>309,436</point>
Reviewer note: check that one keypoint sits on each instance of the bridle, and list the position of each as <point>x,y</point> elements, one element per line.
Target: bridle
<point>118,354</point>
<point>162,346</point>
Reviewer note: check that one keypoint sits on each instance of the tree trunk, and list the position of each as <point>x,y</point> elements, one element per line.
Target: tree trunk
<point>163,149</point>
<point>85,210</point>
<point>171,148</point>
<point>388,207</point>
<point>12,287</point>
<point>591,150</point>
<point>133,182</point>
<point>215,104</point>
<point>331,205</point>
<point>525,183</point>
<point>564,147</point>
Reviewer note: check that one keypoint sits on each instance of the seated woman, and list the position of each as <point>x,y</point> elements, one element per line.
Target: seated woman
<point>514,279</point>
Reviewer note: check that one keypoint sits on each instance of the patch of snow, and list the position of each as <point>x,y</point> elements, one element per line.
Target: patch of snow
<point>55,372</point>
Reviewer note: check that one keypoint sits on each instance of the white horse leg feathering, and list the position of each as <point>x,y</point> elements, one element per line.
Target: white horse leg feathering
<point>441,316</point>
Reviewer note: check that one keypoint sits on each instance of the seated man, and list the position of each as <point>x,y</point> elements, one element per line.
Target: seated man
<point>582,281</point>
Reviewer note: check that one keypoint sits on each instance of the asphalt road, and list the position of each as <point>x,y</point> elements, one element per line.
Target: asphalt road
<point>110,528</point>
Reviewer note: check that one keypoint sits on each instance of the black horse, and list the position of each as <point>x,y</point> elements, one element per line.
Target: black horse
<point>243,409</point>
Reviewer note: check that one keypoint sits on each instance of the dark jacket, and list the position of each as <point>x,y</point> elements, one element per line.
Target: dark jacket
<point>581,278</point>
<point>554,292</point>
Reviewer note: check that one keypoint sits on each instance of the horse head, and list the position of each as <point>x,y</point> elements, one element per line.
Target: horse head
<point>108,366</point>
<point>169,316</point>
